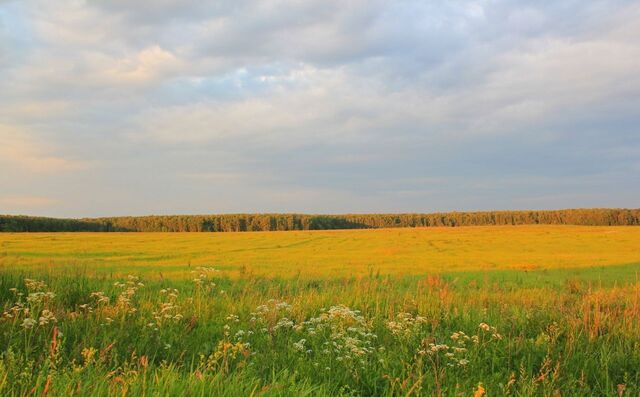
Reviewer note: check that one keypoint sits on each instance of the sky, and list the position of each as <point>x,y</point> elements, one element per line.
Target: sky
<point>319,106</point>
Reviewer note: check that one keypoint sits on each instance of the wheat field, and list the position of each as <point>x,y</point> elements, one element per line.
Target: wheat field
<point>318,254</point>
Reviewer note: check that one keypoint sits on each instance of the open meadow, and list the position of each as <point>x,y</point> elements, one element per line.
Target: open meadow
<point>469,311</point>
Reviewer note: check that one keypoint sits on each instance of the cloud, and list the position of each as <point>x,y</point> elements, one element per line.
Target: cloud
<point>149,64</point>
<point>347,105</point>
<point>23,152</point>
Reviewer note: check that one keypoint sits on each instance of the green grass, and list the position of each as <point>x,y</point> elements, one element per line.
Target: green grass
<point>566,322</point>
<point>596,276</point>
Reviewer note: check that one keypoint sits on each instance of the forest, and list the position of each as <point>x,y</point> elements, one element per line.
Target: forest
<point>282,222</point>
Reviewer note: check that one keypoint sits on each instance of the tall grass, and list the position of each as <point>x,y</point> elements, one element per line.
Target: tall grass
<point>63,334</point>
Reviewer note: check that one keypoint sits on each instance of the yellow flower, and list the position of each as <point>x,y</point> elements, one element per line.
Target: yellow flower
<point>480,391</point>
<point>88,355</point>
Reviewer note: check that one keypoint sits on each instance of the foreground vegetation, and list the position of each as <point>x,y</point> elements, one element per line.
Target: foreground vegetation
<point>284,222</point>
<point>556,326</point>
<point>369,336</point>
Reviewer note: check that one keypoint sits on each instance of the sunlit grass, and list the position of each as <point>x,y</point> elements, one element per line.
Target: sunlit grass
<point>318,254</point>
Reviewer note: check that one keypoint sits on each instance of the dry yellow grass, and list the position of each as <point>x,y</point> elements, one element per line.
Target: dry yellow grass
<point>327,253</point>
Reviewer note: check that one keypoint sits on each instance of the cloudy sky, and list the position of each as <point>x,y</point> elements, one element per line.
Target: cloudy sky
<point>165,106</point>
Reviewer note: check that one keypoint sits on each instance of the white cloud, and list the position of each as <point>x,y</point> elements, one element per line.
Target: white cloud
<point>22,151</point>
<point>149,65</point>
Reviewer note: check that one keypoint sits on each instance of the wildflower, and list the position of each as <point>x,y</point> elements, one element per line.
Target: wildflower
<point>494,332</point>
<point>46,317</point>
<point>300,345</point>
<point>28,323</point>
<point>88,355</point>
<point>283,323</point>
<point>344,334</point>
<point>459,349</point>
<point>406,324</point>
<point>480,391</point>
<point>100,297</point>
<point>233,317</point>
<point>436,348</point>
<point>34,285</point>
<point>39,297</point>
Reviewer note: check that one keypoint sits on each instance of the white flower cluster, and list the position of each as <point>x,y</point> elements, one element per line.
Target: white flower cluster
<point>40,297</point>
<point>452,356</point>
<point>19,308</point>
<point>339,334</point>
<point>28,323</point>
<point>272,316</point>
<point>35,285</point>
<point>34,309</point>
<point>406,325</point>
<point>342,334</point>
<point>100,298</point>
<point>46,317</point>
<point>461,338</point>
<point>37,291</point>
<point>489,329</point>
<point>300,345</point>
<point>202,276</point>
<point>125,299</point>
<point>167,309</point>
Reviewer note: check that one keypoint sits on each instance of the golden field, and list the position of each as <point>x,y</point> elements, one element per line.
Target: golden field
<point>327,253</point>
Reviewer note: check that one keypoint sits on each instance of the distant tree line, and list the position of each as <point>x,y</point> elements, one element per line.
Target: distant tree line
<point>275,222</point>
<point>20,223</point>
